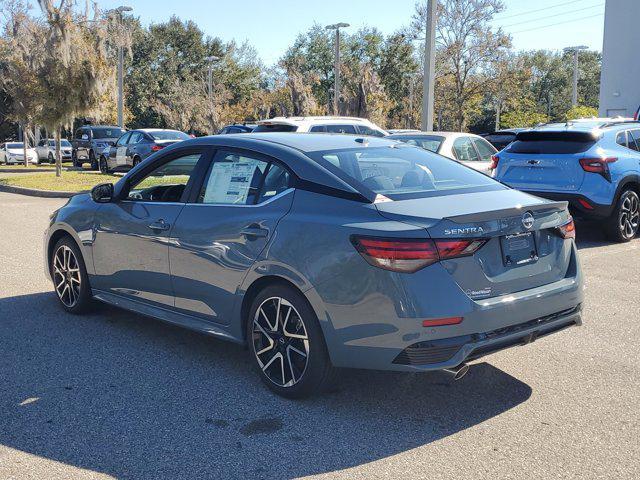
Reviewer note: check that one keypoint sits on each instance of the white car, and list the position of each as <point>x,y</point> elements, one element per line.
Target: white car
<point>467,148</point>
<point>12,153</point>
<point>348,125</point>
<point>46,150</point>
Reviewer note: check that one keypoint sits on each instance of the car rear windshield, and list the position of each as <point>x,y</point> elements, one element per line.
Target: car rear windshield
<point>103,132</point>
<point>169,135</point>
<point>275,127</point>
<point>402,172</point>
<point>428,142</point>
<point>552,142</point>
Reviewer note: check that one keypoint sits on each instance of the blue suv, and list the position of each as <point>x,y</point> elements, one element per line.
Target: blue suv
<point>595,166</point>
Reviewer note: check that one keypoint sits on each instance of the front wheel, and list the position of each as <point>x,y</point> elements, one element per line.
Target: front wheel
<point>51,159</point>
<point>286,344</point>
<point>69,275</point>
<point>622,226</point>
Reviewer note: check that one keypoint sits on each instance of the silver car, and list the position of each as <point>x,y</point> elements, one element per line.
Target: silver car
<point>46,150</point>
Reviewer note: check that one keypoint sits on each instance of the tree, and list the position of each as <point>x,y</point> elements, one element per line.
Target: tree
<point>580,111</point>
<point>22,51</point>
<point>75,67</point>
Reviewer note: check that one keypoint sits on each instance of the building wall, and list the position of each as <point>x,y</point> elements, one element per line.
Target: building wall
<point>620,77</point>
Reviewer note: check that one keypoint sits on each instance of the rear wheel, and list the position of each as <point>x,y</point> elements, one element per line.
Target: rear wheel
<point>69,275</point>
<point>51,159</point>
<point>623,224</point>
<point>104,166</point>
<point>286,343</point>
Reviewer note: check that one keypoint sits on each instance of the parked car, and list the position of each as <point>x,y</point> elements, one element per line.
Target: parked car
<point>46,150</point>
<point>136,145</point>
<point>322,251</point>
<point>237,128</point>
<point>467,148</point>
<point>402,130</point>
<point>594,166</point>
<point>501,138</point>
<point>12,153</point>
<point>348,125</point>
<point>90,141</point>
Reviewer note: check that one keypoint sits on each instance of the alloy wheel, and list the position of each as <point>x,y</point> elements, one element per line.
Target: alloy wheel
<point>66,276</point>
<point>280,341</point>
<point>629,216</point>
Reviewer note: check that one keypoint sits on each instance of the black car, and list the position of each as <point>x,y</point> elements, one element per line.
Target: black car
<point>237,128</point>
<point>501,138</point>
<point>136,145</point>
<point>90,141</point>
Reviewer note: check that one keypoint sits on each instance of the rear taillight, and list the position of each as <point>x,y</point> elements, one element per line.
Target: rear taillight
<point>494,162</point>
<point>568,230</point>
<point>410,255</point>
<point>155,148</point>
<point>597,165</point>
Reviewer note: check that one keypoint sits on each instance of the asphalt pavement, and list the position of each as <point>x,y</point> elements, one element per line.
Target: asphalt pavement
<point>118,395</point>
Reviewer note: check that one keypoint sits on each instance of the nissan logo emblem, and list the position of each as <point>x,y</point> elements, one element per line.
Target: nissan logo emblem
<point>527,220</point>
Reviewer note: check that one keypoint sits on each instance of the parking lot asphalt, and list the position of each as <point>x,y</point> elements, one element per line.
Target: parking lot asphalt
<point>118,395</point>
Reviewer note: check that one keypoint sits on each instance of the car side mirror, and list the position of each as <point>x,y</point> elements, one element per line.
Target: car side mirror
<point>102,193</point>
<point>85,137</point>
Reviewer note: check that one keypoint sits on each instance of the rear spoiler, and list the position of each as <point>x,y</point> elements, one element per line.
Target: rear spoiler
<point>546,207</point>
<point>562,135</point>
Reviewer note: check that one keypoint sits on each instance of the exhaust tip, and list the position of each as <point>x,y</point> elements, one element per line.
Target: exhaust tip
<point>459,371</point>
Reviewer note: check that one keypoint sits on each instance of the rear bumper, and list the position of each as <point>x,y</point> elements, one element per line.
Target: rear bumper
<point>575,206</point>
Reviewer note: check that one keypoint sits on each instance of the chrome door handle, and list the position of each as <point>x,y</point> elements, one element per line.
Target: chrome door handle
<point>254,232</point>
<point>160,225</point>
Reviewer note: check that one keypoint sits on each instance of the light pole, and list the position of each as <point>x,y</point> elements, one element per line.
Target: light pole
<point>575,50</point>
<point>120,10</point>
<point>210,62</point>
<point>429,75</point>
<point>336,87</point>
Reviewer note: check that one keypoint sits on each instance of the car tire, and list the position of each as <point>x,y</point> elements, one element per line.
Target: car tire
<point>52,160</point>
<point>622,226</point>
<point>69,276</point>
<point>136,161</point>
<point>290,358</point>
<point>93,160</point>
<point>104,166</point>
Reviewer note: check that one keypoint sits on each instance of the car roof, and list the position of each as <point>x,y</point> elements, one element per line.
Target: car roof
<point>435,134</point>
<point>100,126</point>
<point>325,120</point>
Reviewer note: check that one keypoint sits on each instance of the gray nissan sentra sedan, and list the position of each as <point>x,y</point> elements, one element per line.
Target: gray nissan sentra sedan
<point>320,251</point>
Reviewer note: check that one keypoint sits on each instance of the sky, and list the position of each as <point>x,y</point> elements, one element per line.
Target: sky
<point>271,26</point>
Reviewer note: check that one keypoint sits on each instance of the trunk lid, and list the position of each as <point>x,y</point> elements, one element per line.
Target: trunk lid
<point>545,160</point>
<point>515,256</point>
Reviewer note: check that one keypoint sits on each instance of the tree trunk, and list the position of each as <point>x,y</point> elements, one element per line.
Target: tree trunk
<point>58,153</point>
<point>498,113</point>
<point>25,139</point>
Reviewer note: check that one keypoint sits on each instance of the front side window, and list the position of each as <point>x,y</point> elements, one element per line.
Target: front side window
<point>633,139</point>
<point>123,140</point>
<point>318,129</point>
<point>167,182</point>
<point>401,172</point>
<point>464,151</point>
<point>135,137</point>
<point>485,149</point>
<point>168,135</point>
<point>365,130</point>
<point>237,179</point>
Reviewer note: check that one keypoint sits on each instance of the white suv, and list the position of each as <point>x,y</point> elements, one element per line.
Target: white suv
<point>348,125</point>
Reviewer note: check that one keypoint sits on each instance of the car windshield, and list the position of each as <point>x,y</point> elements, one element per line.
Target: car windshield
<point>107,132</point>
<point>168,135</point>
<point>63,143</point>
<point>275,127</point>
<point>401,172</point>
<point>15,145</point>
<point>428,142</point>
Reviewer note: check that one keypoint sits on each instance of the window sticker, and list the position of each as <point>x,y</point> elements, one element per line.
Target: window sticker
<point>229,182</point>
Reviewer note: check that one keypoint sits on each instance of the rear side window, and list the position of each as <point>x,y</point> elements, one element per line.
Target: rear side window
<point>318,129</point>
<point>633,139</point>
<point>365,130</point>
<point>540,142</point>
<point>464,151</point>
<point>350,129</point>
<point>105,132</point>
<point>484,148</point>
<point>428,142</point>
<point>401,172</point>
<point>621,139</point>
<point>274,127</point>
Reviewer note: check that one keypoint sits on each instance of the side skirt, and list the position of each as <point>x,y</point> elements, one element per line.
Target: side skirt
<point>166,315</point>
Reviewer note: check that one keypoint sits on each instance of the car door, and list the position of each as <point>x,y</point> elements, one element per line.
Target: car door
<point>130,248</point>
<point>225,227</point>
<point>132,145</point>
<point>118,153</point>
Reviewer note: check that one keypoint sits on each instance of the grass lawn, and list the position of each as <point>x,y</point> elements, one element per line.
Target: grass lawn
<point>68,182</point>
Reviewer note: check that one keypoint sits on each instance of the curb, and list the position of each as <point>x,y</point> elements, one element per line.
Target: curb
<point>31,192</point>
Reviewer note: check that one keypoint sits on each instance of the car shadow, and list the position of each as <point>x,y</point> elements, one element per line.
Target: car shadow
<point>121,394</point>
<point>589,234</point>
